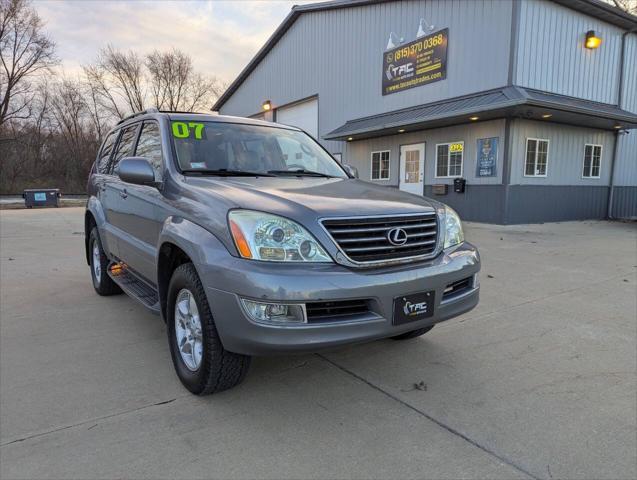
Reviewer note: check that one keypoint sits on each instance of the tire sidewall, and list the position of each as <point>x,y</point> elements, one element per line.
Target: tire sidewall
<point>94,238</point>
<point>192,380</point>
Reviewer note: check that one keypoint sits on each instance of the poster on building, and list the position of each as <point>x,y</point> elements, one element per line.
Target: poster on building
<point>487,157</point>
<point>416,63</point>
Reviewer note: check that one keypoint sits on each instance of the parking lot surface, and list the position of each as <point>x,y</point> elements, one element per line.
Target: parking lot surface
<point>538,382</point>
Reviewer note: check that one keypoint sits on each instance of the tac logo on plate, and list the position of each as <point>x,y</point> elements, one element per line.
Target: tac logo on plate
<point>414,309</point>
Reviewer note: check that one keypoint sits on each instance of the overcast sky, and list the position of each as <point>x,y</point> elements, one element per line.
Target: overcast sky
<point>221,36</point>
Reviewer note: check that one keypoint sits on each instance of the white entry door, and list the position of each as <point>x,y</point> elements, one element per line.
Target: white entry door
<point>412,168</point>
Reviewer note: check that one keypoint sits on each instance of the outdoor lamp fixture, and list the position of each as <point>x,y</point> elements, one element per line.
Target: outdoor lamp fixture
<point>402,130</point>
<point>547,115</point>
<point>473,119</point>
<point>592,40</point>
<point>267,105</point>
<point>349,139</point>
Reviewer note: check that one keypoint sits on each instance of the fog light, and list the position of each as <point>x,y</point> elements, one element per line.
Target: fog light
<point>274,312</point>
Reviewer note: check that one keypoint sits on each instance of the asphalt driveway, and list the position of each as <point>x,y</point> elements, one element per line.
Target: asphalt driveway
<point>538,382</point>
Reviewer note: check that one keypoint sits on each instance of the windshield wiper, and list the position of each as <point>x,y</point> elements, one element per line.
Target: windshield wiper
<point>301,171</point>
<point>225,172</point>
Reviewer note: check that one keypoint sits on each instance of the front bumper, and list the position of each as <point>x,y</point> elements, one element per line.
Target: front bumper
<point>234,278</point>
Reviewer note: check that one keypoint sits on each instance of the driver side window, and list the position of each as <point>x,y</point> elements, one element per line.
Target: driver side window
<point>149,147</point>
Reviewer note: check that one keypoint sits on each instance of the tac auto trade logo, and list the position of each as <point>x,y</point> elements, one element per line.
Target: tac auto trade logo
<point>394,72</point>
<point>414,309</point>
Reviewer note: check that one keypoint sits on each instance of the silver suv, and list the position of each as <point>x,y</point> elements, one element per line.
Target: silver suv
<point>248,238</point>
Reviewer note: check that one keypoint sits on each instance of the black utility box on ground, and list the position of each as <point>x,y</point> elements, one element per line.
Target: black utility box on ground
<point>45,197</point>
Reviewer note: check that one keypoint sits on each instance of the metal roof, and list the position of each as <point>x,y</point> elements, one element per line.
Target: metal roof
<point>594,8</point>
<point>503,102</point>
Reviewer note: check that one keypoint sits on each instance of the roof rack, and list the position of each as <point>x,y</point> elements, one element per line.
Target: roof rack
<point>137,114</point>
<point>155,110</point>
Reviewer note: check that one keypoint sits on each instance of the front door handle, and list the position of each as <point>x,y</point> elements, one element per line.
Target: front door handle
<point>123,194</point>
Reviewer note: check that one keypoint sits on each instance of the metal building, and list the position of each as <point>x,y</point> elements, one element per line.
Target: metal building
<point>532,103</point>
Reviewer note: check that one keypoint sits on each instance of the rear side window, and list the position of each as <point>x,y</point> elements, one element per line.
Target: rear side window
<point>149,146</point>
<point>105,153</point>
<point>125,145</point>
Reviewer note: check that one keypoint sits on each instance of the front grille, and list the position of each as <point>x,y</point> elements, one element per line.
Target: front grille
<point>335,310</point>
<point>457,288</point>
<point>365,240</point>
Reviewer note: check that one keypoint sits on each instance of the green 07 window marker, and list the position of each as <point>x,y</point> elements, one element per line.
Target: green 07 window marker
<point>183,129</point>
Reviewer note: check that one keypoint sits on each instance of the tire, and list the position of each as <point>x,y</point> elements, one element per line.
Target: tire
<point>202,364</point>
<point>102,283</point>
<point>412,334</point>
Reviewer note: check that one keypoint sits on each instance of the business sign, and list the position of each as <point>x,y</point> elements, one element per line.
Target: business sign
<point>416,63</point>
<point>486,164</point>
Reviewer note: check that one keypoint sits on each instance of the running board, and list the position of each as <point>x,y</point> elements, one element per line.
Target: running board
<point>134,287</point>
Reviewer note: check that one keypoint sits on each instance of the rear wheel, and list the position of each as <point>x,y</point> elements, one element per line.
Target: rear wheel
<point>412,334</point>
<point>102,283</point>
<point>202,364</point>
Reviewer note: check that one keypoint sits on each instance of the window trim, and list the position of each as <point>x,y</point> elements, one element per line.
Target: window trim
<point>449,164</point>
<point>371,166</point>
<point>601,152</point>
<point>526,151</point>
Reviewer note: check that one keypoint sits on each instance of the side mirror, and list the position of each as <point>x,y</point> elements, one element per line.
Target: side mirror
<point>136,170</point>
<point>353,171</point>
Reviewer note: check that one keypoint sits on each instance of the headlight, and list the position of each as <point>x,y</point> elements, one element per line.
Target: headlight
<point>453,228</point>
<point>263,236</point>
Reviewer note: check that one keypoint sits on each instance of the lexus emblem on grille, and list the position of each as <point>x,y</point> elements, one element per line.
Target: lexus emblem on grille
<point>397,236</point>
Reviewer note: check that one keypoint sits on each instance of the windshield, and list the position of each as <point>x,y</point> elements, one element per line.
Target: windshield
<point>231,147</point>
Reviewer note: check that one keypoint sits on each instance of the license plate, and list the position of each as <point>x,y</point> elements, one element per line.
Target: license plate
<point>411,308</point>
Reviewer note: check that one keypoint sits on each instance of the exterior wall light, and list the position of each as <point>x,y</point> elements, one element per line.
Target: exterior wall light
<point>547,115</point>
<point>617,127</point>
<point>402,130</point>
<point>473,119</point>
<point>349,139</point>
<point>592,40</point>
<point>267,106</point>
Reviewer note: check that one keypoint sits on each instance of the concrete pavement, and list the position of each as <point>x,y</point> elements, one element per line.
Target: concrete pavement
<point>537,382</point>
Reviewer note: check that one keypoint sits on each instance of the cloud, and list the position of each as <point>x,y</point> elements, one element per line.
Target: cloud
<point>221,36</point>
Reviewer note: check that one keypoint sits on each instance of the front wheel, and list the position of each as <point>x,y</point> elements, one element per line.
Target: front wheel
<point>412,334</point>
<point>202,364</point>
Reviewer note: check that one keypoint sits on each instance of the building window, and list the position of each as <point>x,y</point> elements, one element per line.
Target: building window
<point>592,161</point>
<point>380,165</point>
<point>537,153</point>
<point>449,159</point>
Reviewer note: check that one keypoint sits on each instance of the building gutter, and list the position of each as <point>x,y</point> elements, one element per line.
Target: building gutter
<point>620,93</point>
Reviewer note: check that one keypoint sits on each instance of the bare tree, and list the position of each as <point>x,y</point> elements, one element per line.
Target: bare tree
<point>629,6</point>
<point>117,80</point>
<point>24,50</point>
<point>174,84</point>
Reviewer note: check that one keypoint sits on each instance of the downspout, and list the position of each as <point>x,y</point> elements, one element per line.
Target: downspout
<point>620,92</point>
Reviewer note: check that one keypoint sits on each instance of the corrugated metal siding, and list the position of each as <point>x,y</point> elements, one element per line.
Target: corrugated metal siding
<point>540,203</point>
<point>358,153</point>
<point>626,167</point>
<point>625,202</point>
<point>338,55</point>
<point>566,152</point>
<point>479,203</point>
<point>629,94</point>
<point>551,55</point>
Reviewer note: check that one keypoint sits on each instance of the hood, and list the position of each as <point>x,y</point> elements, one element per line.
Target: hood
<point>324,197</point>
